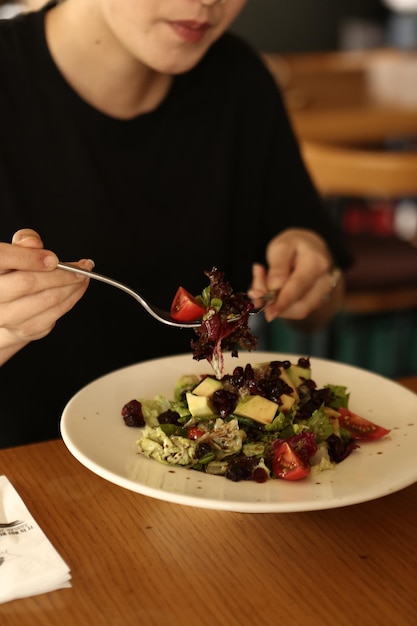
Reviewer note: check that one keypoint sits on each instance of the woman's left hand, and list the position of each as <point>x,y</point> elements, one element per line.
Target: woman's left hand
<point>301,271</point>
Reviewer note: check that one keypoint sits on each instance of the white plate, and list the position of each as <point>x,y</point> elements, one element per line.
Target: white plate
<point>94,432</point>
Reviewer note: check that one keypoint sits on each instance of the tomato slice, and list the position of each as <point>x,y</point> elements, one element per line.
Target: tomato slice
<point>359,427</point>
<point>287,464</point>
<point>185,307</point>
<point>195,433</point>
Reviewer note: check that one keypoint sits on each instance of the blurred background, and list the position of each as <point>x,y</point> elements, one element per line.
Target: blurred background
<point>348,71</point>
<point>311,25</point>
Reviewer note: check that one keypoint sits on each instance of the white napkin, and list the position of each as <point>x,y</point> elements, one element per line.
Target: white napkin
<point>29,564</point>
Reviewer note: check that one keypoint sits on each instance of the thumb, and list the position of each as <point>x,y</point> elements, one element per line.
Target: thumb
<point>27,238</point>
<point>281,260</point>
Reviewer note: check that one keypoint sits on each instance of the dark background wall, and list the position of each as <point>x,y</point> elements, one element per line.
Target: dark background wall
<point>303,25</point>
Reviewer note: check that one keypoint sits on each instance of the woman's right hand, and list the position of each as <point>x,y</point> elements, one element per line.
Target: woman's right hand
<point>33,294</point>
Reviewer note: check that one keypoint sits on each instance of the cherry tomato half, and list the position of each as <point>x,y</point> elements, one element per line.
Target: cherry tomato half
<point>359,427</point>
<point>195,433</point>
<point>185,307</point>
<point>287,464</point>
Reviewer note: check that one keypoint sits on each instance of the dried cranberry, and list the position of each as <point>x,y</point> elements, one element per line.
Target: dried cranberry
<point>240,468</point>
<point>224,402</point>
<point>169,417</point>
<point>132,414</point>
<point>260,475</point>
<point>202,450</point>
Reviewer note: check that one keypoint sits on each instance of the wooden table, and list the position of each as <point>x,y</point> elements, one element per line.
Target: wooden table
<point>137,560</point>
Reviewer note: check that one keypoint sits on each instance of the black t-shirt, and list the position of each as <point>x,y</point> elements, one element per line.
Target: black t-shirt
<point>204,180</point>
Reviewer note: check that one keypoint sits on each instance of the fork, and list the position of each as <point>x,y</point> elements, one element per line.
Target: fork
<point>158,314</point>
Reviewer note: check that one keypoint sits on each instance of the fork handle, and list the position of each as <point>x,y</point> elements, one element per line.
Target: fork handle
<point>156,313</point>
<point>76,270</point>
<point>105,279</point>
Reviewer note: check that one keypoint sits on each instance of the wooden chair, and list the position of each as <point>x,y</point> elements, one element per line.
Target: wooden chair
<point>384,277</point>
<point>351,98</point>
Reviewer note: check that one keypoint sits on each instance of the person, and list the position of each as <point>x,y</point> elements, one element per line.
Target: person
<point>147,140</point>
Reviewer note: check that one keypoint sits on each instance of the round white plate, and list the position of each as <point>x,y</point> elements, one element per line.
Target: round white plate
<point>94,432</point>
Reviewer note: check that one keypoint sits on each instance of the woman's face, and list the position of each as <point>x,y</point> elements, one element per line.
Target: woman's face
<point>170,36</point>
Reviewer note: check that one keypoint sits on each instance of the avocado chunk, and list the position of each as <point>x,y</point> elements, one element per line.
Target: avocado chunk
<point>257,408</point>
<point>286,403</point>
<point>185,383</point>
<point>298,374</point>
<point>284,375</point>
<point>199,406</point>
<point>207,387</point>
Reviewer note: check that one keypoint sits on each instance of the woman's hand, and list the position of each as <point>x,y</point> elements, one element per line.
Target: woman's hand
<point>301,271</point>
<point>33,294</point>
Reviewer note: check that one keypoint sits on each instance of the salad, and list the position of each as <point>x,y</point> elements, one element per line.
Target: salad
<point>224,320</point>
<point>261,422</point>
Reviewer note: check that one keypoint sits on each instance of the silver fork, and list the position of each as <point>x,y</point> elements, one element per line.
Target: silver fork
<point>158,314</point>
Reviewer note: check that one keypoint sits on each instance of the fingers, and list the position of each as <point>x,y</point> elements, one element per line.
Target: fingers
<point>33,293</point>
<point>26,252</point>
<point>297,303</point>
<point>299,271</point>
<point>18,284</point>
<point>27,237</point>
<point>258,287</point>
<point>282,258</point>
<point>32,302</point>
<point>34,316</point>
<point>304,289</point>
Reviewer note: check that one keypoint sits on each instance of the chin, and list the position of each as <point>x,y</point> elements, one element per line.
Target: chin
<point>178,63</point>
<point>177,69</point>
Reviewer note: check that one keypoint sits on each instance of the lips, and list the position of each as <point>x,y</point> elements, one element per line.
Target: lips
<point>190,30</point>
